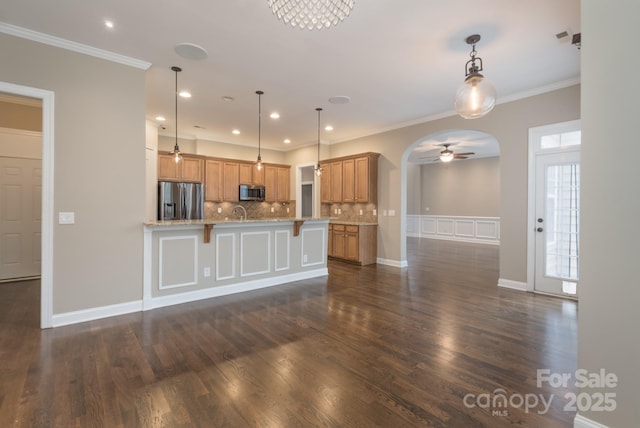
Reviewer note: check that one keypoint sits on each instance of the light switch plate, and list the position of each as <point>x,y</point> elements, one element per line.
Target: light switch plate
<point>66,218</point>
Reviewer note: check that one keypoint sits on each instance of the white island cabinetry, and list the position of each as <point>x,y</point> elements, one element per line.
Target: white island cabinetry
<point>193,260</point>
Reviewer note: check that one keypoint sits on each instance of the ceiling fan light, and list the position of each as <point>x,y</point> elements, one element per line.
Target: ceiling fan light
<point>446,157</point>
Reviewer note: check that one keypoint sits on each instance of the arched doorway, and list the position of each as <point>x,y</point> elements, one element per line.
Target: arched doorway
<point>454,199</point>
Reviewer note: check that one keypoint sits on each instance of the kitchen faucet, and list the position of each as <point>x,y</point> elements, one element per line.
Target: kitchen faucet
<point>242,208</point>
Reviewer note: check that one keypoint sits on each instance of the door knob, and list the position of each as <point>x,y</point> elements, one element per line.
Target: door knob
<point>539,229</point>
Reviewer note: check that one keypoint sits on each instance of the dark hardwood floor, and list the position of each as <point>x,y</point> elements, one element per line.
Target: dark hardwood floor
<point>364,347</point>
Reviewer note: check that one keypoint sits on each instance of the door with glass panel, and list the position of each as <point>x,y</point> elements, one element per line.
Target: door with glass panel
<point>557,220</point>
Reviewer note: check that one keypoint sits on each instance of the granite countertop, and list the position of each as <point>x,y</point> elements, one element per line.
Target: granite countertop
<point>230,221</point>
<point>352,223</point>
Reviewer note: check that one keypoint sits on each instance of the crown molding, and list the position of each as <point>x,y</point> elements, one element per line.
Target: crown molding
<point>501,100</point>
<point>47,39</point>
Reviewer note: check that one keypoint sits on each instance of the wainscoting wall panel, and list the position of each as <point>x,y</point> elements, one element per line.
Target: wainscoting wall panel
<point>178,261</point>
<point>255,253</point>
<point>455,228</point>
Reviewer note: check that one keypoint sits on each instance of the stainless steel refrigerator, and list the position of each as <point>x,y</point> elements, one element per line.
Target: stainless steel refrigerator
<point>180,201</point>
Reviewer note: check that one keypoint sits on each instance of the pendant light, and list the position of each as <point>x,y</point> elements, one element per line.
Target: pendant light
<point>259,161</point>
<point>476,96</point>
<point>318,168</point>
<point>177,156</point>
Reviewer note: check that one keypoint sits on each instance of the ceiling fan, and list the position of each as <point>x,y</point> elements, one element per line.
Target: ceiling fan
<point>447,155</point>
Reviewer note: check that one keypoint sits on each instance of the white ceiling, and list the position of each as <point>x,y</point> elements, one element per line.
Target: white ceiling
<point>399,61</point>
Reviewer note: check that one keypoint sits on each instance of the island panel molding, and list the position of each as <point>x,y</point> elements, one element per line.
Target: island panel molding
<point>242,256</point>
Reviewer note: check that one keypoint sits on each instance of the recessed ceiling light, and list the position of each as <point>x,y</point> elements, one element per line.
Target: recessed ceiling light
<point>275,115</point>
<point>227,98</point>
<point>236,132</point>
<point>328,128</point>
<point>108,23</point>
<point>191,51</point>
<point>287,141</point>
<point>160,118</point>
<point>185,94</point>
<point>340,99</point>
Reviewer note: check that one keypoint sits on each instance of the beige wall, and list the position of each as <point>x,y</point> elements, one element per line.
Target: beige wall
<point>222,150</point>
<point>609,294</point>
<point>414,189</point>
<point>461,188</point>
<point>99,170</point>
<point>509,124</point>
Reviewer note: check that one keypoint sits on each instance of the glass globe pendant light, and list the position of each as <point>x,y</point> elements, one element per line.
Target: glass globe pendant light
<point>318,168</point>
<point>259,161</point>
<point>476,96</point>
<point>177,156</point>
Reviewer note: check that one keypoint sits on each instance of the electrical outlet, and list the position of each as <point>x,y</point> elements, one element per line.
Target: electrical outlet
<point>375,212</point>
<point>273,210</point>
<point>304,258</point>
<point>360,212</point>
<point>287,210</point>
<point>66,218</point>
<point>392,213</point>
<point>219,210</point>
<point>339,210</point>
<point>207,272</point>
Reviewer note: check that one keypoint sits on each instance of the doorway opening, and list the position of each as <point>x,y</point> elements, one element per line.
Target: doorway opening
<point>307,200</point>
<point>452,187</point>
<point>45,196</point>
<point>554,217</point>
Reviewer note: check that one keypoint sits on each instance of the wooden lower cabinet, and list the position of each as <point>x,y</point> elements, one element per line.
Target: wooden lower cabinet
<point>353,243</point>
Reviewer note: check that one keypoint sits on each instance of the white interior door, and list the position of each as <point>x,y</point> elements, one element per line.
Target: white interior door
<point>557,222</point>
<point>20,212</point>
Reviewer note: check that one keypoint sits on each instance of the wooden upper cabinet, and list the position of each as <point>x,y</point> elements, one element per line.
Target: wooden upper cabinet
<point>257,176</point>
<point>213,181</point>
<point>348,181</point>
<point>188,169</point>
<point>276,183</point>
<point>284,175</point>
<point>231,179</point>
<point>246,173</point>
<point>270,183</point>
<point>351,179</point>
<point>192,169</point>
<point>168,169</point>
<point>325,184</point>
<point>336,181</point>
<point>366,179</point>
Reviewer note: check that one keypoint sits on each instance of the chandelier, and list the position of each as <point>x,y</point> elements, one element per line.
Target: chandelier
<point>311,14</point>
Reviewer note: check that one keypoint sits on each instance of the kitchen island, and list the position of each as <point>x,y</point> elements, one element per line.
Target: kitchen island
<point>200,259</point>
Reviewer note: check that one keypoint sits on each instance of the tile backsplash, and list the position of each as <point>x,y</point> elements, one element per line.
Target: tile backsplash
<point>350,212</point>
<point>255,210</point>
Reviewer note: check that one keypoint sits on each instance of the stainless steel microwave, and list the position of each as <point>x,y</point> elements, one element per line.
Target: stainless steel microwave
<point>251,193</point>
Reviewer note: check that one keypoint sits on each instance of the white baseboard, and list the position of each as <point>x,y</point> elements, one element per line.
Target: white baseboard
<point>394,263</point>
<point>514,285</point>
<point>582,422</point>
<point>91,314</point>
<point>191,296</point>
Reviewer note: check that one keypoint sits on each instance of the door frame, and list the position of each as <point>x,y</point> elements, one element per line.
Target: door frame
<point>46,270</point>
<point>316,186</point>
<point>534,137</point>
